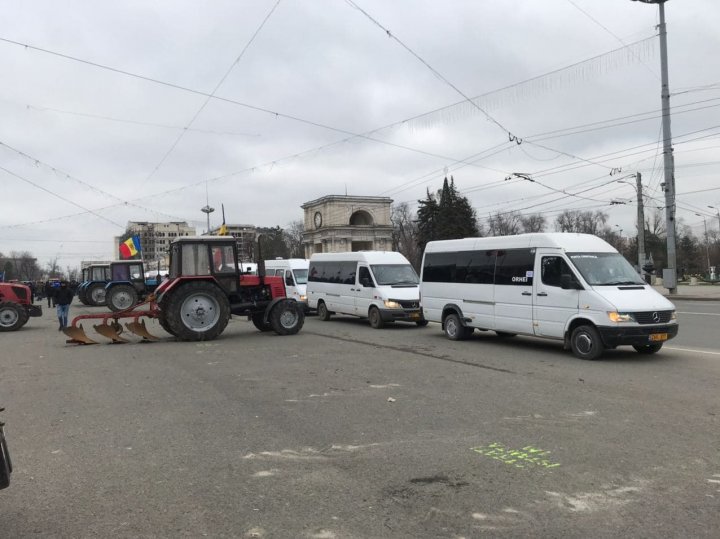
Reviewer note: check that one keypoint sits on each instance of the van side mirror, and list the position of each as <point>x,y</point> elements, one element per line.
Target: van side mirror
<point>567,282</point>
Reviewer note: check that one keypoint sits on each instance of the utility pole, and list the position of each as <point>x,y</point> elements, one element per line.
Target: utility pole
<point>669,274</point>
<point>707,242</point>
<point>640,223</point>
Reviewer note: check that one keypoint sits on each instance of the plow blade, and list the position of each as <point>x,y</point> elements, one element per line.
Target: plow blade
<point>112,331</point>
<point>139,329</point>
<point>77,335</point>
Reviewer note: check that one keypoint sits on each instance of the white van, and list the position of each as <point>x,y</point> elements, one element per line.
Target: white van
<point>379,285</point>
<point>295,273</point>
<point>572,287</point>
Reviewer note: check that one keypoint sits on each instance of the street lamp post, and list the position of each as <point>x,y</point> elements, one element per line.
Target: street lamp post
<point>207,210</point>
<point>670,276</point>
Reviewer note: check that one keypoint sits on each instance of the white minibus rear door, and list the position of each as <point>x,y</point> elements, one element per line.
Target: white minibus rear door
<point>514,291</point>
<point>553,306</point>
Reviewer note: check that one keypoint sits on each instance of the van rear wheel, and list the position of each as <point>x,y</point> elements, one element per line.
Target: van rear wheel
<point>647,348</point>
<point>586,343</point>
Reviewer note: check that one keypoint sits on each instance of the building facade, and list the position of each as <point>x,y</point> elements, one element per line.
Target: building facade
<point>337,223</point>
<point>155,238</point>
<point>245,238</point>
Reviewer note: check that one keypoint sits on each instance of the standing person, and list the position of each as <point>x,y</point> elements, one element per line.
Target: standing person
<point>48,292</point>
<point>63,299</point>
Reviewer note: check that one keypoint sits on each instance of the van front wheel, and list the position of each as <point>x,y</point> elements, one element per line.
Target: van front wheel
<point>322,311</point>
<point>586,343</point>
<point>454,330</point>
<point>376,321</point>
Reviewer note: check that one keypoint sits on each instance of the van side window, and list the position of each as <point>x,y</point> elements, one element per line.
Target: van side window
<point>515,267</point>
<point>475,267</point>
<point>439,267</point>
<point>289,278</point>
<point>552,268</point>
<point>364,277</point>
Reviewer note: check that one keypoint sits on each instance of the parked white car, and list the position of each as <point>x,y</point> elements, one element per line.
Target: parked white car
<point>294,271</point>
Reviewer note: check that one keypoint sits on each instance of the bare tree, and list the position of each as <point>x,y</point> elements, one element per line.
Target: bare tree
<point>53,268</point>
<point>505,224</point>
<point>294,237</point>
<point>26,267</point>
<point>533,223</point>
<point>405,237</point>
<point>585,222</point>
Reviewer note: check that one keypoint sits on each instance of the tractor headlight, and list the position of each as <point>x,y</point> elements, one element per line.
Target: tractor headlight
<point>615,316</point>
<point>390,304</point>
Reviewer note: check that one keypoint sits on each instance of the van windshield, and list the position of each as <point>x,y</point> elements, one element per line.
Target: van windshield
<point>300,276</point>
<point>605,269</point>
<point>395,275</point>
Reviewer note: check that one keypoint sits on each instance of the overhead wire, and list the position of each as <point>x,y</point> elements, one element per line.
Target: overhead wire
<point>212,94</point>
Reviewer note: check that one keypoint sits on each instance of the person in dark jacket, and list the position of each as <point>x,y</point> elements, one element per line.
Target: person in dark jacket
<point>48,289</point>
<point>63,299</point>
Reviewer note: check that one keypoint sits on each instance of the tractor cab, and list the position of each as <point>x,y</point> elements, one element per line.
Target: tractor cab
<point>215,258</point>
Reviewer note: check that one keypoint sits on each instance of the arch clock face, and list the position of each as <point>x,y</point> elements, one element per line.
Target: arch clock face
<point>317,219</point>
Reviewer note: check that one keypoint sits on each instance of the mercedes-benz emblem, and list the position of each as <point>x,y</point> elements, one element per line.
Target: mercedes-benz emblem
<point>656,317</point>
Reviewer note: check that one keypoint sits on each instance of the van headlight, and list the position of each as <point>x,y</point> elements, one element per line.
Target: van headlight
<point>615,316</point>
<point>303,298</point>
<point>390,304</point>
<point>673,315</point>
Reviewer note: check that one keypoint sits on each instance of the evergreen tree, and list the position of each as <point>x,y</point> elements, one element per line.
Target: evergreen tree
<point>449,218</point>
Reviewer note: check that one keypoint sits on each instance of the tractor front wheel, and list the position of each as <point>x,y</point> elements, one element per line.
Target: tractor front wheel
<point>96,294</point>
<point>197,311</point>
<point>258,320</point>
<point>12,316</point>
<point>287,317</point>
<point>121,297</point>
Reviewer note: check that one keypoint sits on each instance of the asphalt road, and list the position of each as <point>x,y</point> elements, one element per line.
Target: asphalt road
<point>344,431</point>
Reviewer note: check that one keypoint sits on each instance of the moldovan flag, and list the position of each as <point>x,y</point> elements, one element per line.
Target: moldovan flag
<point>130,247</point>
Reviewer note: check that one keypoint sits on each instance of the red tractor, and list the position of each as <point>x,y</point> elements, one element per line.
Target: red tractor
<point>204,288</point>
<point>16,306</point>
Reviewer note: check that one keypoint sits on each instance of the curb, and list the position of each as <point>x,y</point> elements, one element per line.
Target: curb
<point>691,298</point>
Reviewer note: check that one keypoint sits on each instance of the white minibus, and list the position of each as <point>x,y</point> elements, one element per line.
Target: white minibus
<point>575,288</point>
<point>379,285</point>
<point>294,271</point>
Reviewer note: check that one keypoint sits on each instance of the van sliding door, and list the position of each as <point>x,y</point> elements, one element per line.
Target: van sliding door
<point>514,271</point>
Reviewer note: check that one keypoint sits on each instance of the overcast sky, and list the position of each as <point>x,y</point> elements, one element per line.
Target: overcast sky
<point>112,119</point>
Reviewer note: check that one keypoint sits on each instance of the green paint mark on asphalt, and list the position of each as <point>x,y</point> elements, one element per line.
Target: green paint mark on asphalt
<point>520,458</point>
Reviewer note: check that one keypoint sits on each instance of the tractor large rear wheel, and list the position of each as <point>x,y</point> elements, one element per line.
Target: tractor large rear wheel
<point>197,311</point>
<point>96,294</point>
<point>12,316</point>
<point>287,317</point>
<point>121,297</point>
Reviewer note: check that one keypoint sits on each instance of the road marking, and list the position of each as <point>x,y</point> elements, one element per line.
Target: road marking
<point>692,350</point>
<point>701,314</point>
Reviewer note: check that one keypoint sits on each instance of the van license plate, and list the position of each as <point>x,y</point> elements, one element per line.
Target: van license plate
<point>415,316</point>
<point>659,337</point>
